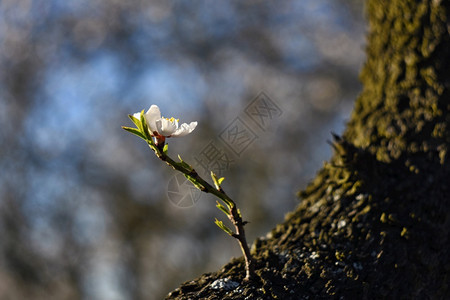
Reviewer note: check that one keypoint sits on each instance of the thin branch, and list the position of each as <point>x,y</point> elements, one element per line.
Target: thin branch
<point>232,212</point>
<point>204,186</point>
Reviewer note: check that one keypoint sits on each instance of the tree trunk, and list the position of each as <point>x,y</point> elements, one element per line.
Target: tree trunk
<point>374,223</point>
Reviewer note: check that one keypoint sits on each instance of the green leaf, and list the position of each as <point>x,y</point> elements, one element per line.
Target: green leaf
<point>144,127</point>
<point>223,227</point>
<point>215,180</point>
<point>222,208</point>
<point>194,182</point>
<point>136,121</point>
<point>135,132</point>
<point>184,164</point>
<point>220,180</point>
<point>166,147</point>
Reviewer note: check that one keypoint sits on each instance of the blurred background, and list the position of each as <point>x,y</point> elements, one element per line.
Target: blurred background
<point>86,210</point>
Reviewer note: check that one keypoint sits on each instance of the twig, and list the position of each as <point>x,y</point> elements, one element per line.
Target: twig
<point>234,213</point>
<point>157,144</point>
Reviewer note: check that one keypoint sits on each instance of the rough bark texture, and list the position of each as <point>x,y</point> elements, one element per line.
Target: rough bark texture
<point>375,222</point>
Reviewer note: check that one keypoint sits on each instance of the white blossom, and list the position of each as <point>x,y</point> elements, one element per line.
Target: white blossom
<point>162,128</point>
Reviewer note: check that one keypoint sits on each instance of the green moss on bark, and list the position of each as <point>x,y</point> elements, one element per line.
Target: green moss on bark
<point>404,105</point>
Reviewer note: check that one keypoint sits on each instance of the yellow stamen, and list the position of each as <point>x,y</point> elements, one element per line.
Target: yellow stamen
<point>171,119</point>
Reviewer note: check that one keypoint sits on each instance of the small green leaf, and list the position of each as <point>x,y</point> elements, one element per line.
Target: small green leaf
<point>136,121</point>
<point>135,132</point>
<point>194,182</point>
<point>222,208</point>
<point>220,180</point>
<point>223,227</point>
<point>184,164</point>
<point>144,127</point>
<point>215,180</point>
<point>166,147</point>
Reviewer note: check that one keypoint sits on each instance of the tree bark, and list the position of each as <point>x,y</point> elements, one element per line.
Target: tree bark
<point>374,223</point>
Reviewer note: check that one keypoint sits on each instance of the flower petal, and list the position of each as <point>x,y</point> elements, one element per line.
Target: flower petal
<point>166,127</point>
<point>151,116</point>
<point>137,115</point>
<point>184,129</point>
